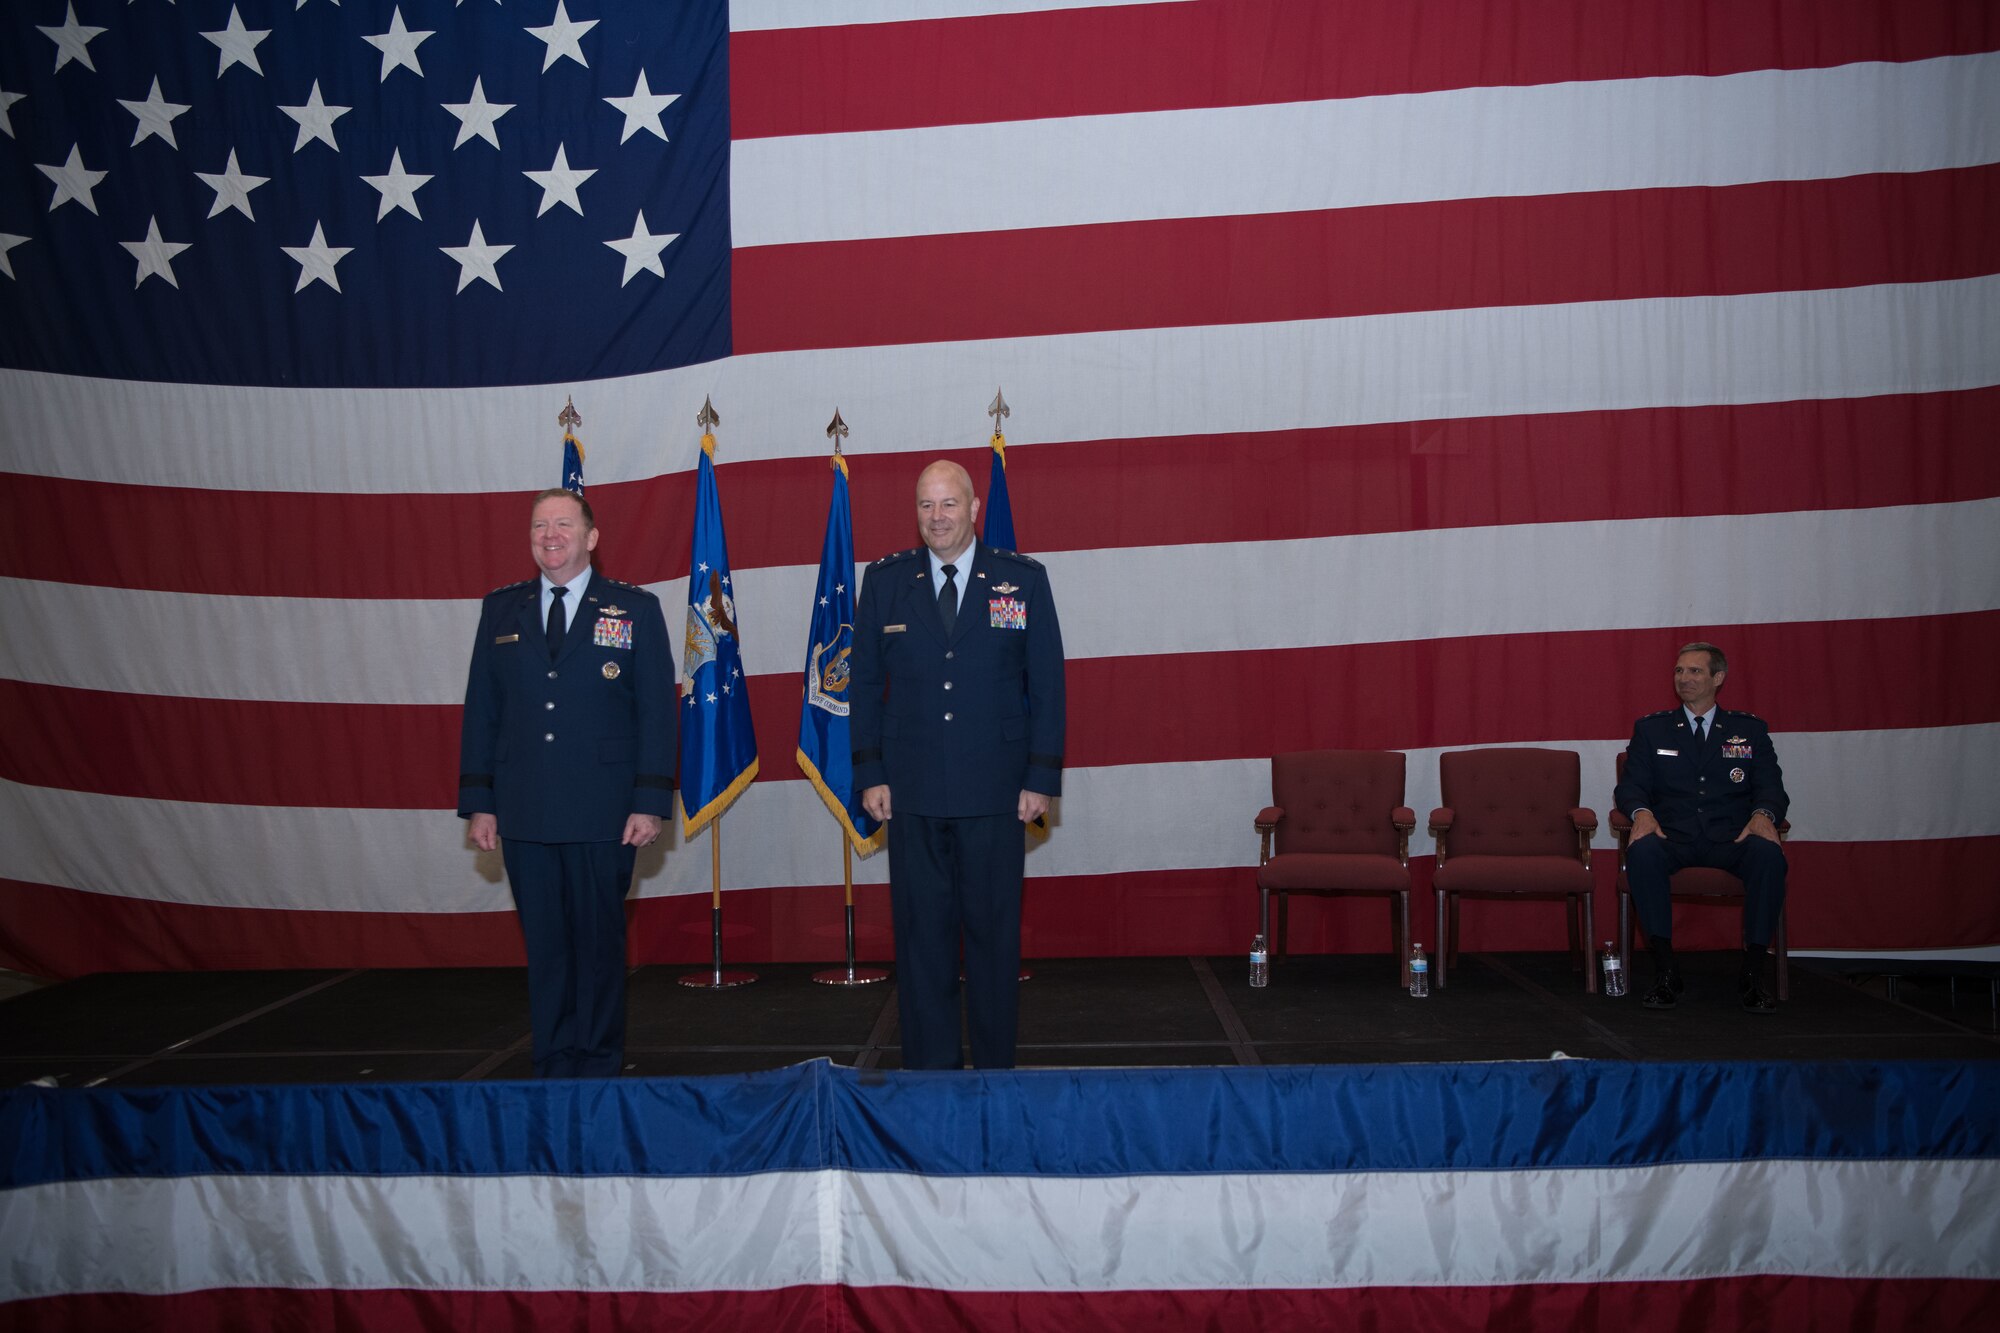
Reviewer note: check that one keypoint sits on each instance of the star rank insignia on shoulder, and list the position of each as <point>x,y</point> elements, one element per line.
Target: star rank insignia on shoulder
<point>510,587</point>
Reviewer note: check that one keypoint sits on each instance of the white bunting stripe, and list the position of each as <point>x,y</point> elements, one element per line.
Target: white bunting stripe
<point>1896,1219</point>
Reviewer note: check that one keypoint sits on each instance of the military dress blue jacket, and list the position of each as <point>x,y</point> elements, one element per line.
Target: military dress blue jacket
<point>1711,795</point>
<point>962,725</point>
<point>564,751</point>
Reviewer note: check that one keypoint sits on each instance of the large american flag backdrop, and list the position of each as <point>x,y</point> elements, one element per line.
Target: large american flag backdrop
<point>1384,375</point>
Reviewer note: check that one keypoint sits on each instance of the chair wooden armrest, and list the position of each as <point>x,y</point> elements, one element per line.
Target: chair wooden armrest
<point>1405,820</point>
<point>1441,819</point>
<point>1267,820</point>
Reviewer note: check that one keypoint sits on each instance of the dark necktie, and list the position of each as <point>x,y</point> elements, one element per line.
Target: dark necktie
<point>1700,735</point>
<point>948,599</point>
<point>555,626</point>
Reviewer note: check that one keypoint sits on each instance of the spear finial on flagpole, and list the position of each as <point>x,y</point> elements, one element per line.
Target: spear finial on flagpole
<point>569,418</point>
<point>836,430</point>
<point>998,409</point>
<point>708,419</point>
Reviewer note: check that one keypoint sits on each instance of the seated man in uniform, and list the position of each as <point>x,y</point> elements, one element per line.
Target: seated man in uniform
<point>1702,788</point>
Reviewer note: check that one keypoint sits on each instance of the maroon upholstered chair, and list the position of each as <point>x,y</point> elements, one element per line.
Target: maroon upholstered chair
<point>1702,884</point>
<point>1510,828</point>
<point>1341,828</point>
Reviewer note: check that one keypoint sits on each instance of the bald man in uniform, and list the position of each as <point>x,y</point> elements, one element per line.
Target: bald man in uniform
<point>958,742</point>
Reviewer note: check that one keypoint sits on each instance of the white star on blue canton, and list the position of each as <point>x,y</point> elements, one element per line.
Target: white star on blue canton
<point>238,45</point>
<point>561,34</point>
<point>72,40</point>
<point>398,46</point>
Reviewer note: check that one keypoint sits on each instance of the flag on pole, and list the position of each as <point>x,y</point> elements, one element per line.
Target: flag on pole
<point>999,510</point>
<point>999,533</point>
<point>572,469</point>
<point>824,756</point>
<point>718,743</point>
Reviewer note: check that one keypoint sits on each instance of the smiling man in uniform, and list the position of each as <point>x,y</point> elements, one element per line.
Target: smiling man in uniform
<point>1702,788</point>
<point>566,762</point>
<point>957,720</point>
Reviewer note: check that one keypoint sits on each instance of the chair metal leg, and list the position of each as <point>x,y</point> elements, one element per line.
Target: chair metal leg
<point>1264,912</point>
<point>1399,933</point>
<point>1625,929</point>
<point>1589,933</point>
<point>1784,960</point>
<point>1284,925</point>
<point>1440,968</point>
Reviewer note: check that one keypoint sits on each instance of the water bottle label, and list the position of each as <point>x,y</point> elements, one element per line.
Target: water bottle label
<point>1420,966</point>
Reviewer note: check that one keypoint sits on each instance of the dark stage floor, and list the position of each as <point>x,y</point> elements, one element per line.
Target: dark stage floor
<point>393,1026</point>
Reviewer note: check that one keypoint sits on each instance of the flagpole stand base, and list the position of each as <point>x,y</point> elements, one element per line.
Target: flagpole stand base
<point>850,976</point>
<point>717,979</point>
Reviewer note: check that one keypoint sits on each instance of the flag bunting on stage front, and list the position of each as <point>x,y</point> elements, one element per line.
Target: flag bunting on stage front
<point>718,743</point>
<point>824,756</point>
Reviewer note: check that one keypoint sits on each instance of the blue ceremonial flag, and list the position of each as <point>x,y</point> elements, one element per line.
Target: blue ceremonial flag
<point>718,743</point>
<point>572,478</point>
<point>999,510</point>
<point>824,754</point>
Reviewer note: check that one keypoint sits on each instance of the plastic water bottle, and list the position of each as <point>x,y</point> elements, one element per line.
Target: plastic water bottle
<point>1612,968</point>
<point>1260,963</point>
<point>1420,973</point>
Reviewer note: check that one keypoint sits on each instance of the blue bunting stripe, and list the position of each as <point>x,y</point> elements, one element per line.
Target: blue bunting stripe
<point>1062,1123</point>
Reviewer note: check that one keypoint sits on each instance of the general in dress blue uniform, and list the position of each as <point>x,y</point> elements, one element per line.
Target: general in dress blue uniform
<point>957,731</point>
<point>566,762</point>
<point>1703,788</point>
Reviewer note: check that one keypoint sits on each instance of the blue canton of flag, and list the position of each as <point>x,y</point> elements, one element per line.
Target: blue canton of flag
<point>376,193</point>
<point>718,742</point>
<point>572,478</point>
<point>824,753</point>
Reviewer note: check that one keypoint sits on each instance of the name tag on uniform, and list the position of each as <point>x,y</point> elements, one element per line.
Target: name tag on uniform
<point>1007,613</point>
<point>894,629</point>
<point>1671,754</point>
<point>611,633</point>
<point>508,638</point>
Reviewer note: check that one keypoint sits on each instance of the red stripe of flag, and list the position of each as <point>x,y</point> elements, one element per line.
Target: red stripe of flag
<point>1448,255</point>
<point>1101,61</point>
<point>1897,449</point>
<point>1423,694</point>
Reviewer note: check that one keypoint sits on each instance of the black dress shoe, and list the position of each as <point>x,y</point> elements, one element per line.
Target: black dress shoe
<point>1756,1000</point>
<point>1666,991</point>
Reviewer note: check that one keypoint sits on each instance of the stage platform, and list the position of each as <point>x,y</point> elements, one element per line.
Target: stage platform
<point>218,1028</point>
